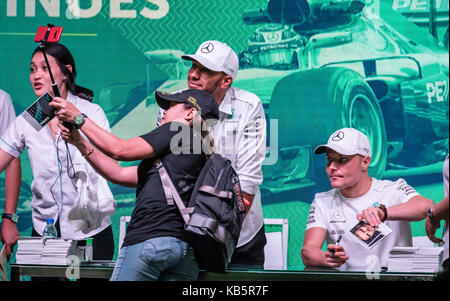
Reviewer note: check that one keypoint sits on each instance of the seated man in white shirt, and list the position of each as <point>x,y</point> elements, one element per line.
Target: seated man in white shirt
<point>355,197</point>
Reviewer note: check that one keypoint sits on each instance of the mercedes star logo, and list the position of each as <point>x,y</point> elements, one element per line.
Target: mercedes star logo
<point>337,214</point>
<point>208,48</point>
<point>338,136</point>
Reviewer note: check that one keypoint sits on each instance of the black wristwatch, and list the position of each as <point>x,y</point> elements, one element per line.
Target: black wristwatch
<point>79,120</point>
<point>383,208</point>
<point>11,216</point>
<point>430,213</point>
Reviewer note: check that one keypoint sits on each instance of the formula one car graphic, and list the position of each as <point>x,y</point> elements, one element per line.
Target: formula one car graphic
<point>317,67</point>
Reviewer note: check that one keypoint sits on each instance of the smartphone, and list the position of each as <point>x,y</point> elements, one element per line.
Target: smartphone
<point>48,34</point>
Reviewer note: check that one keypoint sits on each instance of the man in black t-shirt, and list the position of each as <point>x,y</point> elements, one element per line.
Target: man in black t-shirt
<point>154,247</point>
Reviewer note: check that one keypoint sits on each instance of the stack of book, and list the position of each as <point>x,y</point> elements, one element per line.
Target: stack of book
<point>29,250</point>
<point>33,250</point>
<point>56,251</point>
<point>415,259</point>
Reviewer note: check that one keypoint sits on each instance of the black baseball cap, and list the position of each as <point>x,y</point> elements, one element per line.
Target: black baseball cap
<point>201,100</point>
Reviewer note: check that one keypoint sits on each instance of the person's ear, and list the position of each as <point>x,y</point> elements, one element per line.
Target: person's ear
<point>226,81</point>
<point>68,73</point>
<point>365,163</point>
<point>190,115</point>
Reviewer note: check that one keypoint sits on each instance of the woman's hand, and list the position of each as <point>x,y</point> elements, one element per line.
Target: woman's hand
<point>65,110</point>
<point>72,136</point>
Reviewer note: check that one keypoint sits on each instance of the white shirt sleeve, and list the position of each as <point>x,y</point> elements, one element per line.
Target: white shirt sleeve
<point>99,117</point>
<point>445,175</point>
<point>316,218</point>
<point>404,192</point>
<point>160,116</point>
<point>252,150</point>
<point>7,113</point>
<point>13,140</point>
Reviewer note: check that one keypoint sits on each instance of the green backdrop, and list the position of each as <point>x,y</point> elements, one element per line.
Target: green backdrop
<point>317,66</point>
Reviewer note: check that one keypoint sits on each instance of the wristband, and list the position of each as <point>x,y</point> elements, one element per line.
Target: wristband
<point>89,153</point>
<point>247,204</point>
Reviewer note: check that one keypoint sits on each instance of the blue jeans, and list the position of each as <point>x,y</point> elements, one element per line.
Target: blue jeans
<point>160,258</point>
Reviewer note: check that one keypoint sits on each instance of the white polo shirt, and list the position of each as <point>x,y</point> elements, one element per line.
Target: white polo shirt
<point>445,176</point>
<point>240,136</point>
<point>7,113</point>
<point>337,214</point>
<point>53,191</point>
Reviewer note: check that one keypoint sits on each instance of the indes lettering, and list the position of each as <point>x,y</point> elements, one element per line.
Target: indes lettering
<point>71,9</point>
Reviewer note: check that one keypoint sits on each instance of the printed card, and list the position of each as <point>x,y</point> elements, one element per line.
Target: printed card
<point>369,236</point>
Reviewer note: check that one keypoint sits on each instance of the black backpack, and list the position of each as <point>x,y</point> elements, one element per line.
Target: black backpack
<point>214,216</point>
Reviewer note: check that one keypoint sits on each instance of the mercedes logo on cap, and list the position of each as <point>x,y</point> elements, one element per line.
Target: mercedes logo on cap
<point>208,48</point>
<point>338,136</point>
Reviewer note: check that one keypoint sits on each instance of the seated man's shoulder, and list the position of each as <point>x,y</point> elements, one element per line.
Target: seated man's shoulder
<point>326,196</point>
<point>383,185</point>
<point>245,96</point>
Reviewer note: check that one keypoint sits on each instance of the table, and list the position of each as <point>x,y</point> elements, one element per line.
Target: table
<point>104,271</point>
<point>100,271</point>
<point>311,275</point>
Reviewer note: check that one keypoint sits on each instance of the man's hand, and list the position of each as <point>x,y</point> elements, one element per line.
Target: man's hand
<point>431,225</point>
<point>9,235</point>
<point>372,215</point>
<point>335,256</point>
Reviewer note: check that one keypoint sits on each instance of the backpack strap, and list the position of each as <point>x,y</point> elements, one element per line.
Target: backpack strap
<point>166,185</point>
<point>216,192</point>
<point>172,193</point>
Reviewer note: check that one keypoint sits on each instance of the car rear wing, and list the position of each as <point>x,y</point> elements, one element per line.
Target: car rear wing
<point>411,66</point>
<point>428,13</point>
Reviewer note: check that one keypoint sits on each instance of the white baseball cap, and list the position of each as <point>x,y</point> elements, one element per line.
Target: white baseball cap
<point>347,141</point>
<point>216,56</point>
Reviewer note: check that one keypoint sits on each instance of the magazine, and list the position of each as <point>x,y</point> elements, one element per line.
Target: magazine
<point>40,112</point>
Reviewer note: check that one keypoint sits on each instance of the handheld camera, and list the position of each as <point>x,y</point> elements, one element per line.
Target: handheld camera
<point>44,35</point>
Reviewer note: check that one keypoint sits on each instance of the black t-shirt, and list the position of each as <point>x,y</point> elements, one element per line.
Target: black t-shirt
<point>180,152</point>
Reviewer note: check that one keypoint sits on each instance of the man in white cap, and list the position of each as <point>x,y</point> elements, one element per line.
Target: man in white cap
<point>357,197</point>
<point>239,135</point>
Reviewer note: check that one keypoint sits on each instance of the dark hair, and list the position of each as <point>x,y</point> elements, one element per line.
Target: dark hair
<point>63,57</point>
